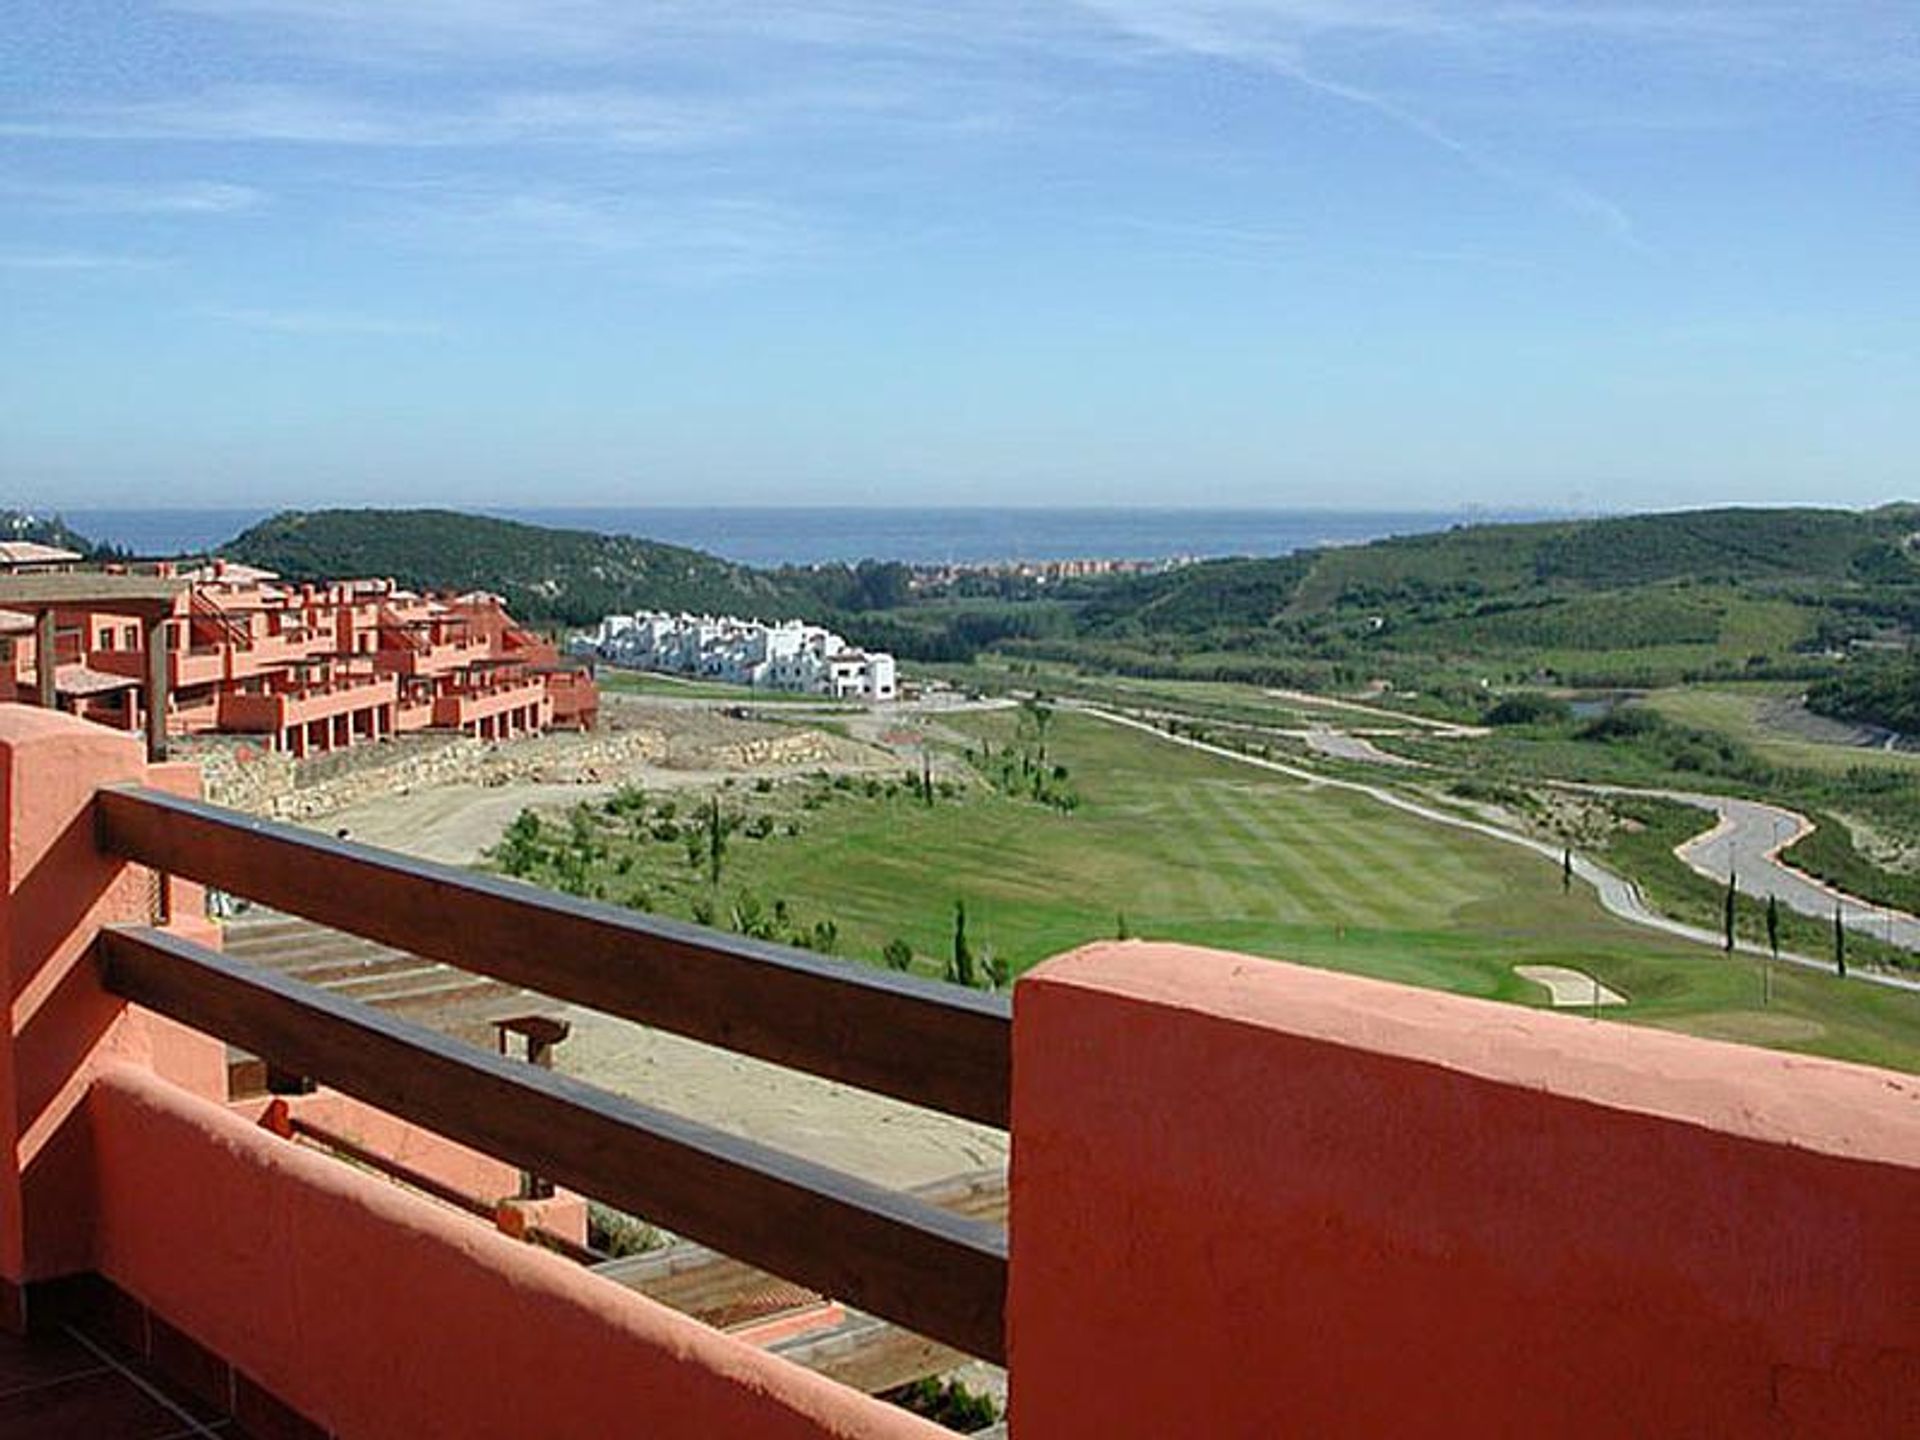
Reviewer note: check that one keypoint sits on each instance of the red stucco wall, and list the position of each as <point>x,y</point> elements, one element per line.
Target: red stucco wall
<point>59,890</point>
<point>1250,1199</point>
<point>377,1314</point>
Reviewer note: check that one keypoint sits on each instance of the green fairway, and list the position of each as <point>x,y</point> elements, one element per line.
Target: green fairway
<point>1192,847</point>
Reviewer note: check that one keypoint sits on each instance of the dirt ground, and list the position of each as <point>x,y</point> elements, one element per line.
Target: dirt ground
<point>702,747</point>
<point>881,1140</point>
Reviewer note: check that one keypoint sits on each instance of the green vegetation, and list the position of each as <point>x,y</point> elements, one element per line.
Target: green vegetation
<point>1762,717</point>
<point>1884,692</point>
<point>1529,707</point>
<point>948,1403</point>
<point>616,1234</point>
<point>1200,849</point>
<point>1643,848</point>
<point>1636,601</point>
<point>1830,854</point>
<point>1640,600</point>
<point>569,576</point>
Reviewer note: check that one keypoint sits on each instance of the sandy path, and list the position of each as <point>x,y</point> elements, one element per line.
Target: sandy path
<point>453,824</point>
<point>881,1140</point>
<point>1345,745</point>
<point>1379,712</point>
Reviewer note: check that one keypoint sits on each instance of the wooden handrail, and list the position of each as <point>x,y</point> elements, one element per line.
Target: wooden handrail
<point>931,1044</point>
<point>936,1273</point>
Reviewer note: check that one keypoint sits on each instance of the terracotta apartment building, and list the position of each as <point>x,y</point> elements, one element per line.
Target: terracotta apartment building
<point>307,667</point>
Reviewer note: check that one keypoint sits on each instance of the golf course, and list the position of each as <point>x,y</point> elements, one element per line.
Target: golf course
<point>1160,841</point>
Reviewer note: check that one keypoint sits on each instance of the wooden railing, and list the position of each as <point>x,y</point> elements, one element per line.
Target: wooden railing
<point>931,1271</point>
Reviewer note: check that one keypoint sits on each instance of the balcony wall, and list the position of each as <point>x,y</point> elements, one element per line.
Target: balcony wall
<point>457,709</point>
<point>370,1311</point>
<point>275,710</point>
<point>1247,1199</point>
<point>377,1315</point>
<point>1253,1199</point>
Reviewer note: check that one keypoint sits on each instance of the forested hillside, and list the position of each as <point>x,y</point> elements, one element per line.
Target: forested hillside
<point>1882,692</point>
<point>1633,600</point>
<point>569,576</point>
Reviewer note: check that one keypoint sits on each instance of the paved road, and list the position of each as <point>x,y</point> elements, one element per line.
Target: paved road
<point>1747,841</point>
<point>1617,894</point>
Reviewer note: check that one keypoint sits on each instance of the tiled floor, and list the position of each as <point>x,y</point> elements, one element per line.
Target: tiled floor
<point>53,1387</point>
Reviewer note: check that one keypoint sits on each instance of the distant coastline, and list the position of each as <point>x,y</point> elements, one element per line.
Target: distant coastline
<point>768,536</point>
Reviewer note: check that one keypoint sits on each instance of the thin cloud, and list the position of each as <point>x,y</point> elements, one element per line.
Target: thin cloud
<point>75,262</point>
<point>322,322</point>
<point>1277,41</point>
<point>691,238</point>
<point>194,197</point>
<point>297,115</point>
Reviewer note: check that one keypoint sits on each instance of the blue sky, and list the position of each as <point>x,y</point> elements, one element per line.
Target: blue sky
<point>1376,253</point>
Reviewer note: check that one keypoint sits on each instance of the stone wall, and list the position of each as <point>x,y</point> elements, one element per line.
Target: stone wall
<point>248,777</point>
<point>245,776</point>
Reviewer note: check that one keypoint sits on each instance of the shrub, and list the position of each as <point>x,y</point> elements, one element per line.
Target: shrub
<point>616,1233</point>
<point>1529,707</point>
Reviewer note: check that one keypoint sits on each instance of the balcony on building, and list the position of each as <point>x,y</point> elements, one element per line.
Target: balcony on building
<point>1246,1198</point>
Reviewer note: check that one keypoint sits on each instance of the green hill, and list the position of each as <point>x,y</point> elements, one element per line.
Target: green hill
<point>569,576</point>
<point>1630,600</point>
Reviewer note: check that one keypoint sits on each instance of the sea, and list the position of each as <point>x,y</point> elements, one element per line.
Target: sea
<point>812,535</point>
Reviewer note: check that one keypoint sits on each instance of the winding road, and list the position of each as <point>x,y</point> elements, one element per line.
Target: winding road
<point>1742,821</point>
<point>1746,843</point>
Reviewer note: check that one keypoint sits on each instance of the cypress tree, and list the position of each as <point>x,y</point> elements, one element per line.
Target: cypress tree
<point>1773,925</point>
<point>1839,941</point>
<point>960,967</point>
<point>1728,915</point>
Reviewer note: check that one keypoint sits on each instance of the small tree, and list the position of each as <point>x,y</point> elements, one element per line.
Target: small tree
<point>999,972</point>
<point>716,841</point>
<point>1121,930</point>
<point>519,848</point>
<point>960,970</point>
<point>897,954</point>
<point>1566,870</point>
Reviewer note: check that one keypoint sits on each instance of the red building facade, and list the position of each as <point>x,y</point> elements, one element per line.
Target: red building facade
<point>311,668</point>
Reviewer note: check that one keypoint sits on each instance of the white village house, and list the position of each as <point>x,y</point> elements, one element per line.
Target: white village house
<point>790,655</point>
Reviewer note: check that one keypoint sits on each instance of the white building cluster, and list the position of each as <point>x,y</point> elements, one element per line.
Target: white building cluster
<point>791,655</point>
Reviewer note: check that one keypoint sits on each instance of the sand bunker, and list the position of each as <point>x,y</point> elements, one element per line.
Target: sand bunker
<point>1569,988</point>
